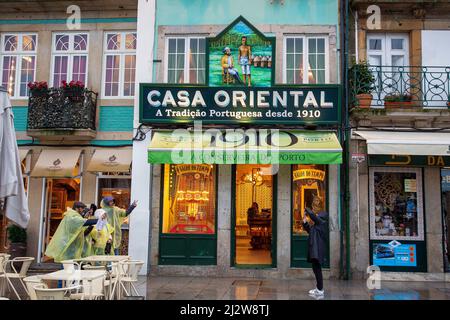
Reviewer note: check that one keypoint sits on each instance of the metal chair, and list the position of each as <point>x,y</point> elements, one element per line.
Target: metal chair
<point>91,290</point>
<point>129,275</point>
<point>31,282</point>
<point>43,293</point>
<point>3,260</point>
<point>19,275</point>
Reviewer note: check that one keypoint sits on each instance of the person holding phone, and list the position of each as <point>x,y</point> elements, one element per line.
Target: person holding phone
<point>315,222</point>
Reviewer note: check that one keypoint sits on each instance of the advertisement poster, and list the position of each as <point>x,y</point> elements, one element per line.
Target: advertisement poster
<point>394,254</point>
<point>411,185</point>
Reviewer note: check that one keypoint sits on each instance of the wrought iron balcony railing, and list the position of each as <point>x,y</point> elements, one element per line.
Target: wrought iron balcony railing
<point>403,86</point>
<point>62,109</point>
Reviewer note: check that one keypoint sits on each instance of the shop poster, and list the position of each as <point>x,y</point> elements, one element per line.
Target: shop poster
<point>394,254</point>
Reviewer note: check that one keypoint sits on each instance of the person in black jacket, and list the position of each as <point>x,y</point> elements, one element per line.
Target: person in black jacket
<point>317,228</point>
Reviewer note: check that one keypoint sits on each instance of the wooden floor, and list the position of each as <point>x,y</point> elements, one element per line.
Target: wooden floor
<point>245,254</point>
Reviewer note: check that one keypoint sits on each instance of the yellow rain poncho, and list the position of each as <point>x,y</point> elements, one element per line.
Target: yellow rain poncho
<point>101,238</point>
<point>68,241</point>
<point>116,217</point>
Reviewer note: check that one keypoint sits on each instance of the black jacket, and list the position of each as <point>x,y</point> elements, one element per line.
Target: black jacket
<point>318,236</point>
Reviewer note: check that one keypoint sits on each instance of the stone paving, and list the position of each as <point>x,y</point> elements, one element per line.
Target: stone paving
<point>189,288</point>
<point>192,288</point>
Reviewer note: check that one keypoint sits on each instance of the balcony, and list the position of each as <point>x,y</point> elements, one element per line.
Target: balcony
<point>61,114</point>
<point>402,87</point>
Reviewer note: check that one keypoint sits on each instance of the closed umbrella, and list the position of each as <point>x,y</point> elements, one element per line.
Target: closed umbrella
<point>11,183</point>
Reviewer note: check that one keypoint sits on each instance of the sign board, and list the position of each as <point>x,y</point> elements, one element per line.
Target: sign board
<point>358,157</point>
<point>411,185</point>
<point>408,160</point>
<point>239,88</point>
<point>394,254</point>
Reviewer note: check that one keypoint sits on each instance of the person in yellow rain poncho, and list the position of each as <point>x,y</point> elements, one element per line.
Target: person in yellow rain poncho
<point>101,234</point>
<point>116,217</point>
<point>68,241</point>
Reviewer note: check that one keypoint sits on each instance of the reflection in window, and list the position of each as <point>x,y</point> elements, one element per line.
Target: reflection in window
<point>189,199</point>
<point>396,204</point>
<point>309,183</point>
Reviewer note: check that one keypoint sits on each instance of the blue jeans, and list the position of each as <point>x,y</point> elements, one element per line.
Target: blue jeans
<point>116,252</point>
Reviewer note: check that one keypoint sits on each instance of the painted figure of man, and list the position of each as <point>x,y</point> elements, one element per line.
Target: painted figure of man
<point>245,52</point>
<point>227,62</point>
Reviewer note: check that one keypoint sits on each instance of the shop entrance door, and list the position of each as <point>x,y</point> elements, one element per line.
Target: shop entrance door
<point>254,216</point>
<point>445,173</point>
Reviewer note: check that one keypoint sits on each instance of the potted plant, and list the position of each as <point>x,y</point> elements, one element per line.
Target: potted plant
<point>38,89</point>
<point>397,100</point>
<point>74,90</point>
<point>17,238</point>
<point>362,83</point>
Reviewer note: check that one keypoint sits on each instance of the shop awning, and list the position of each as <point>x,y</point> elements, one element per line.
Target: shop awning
<point>111,160</point>
<point>263,146</point>
<point>406,143</point>
<point>56,163</point>
<point>23,154</point>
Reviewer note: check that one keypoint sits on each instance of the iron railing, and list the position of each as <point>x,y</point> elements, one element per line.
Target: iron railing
<point>56,108</point>
<point>422,86</point>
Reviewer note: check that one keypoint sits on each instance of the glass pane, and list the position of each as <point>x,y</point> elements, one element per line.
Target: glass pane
<point>26,74</point>
<point>396,204</point>
<point>112,75</point>
<point>171,76</point>
<point>375,44</point>
<point>290,79</point>
<point>298,45</point>
<point>201,76</point>
<point>298,64</point>
<point>201,45</point>
<point>130,41</point>
<point>320,61</point>
<point>79,68</point>
<point>120,189</point>
<point>29,43</point>
<point>61,42</point>
<point>375,60</point>
<point>201,61</point>
<point>60,69</point>
<point>194,45</point>
<point>180,61</point>
<point>290,45</point>
<point>193,61</point>
<point>172,45</point>
<point>308,191</point>
<point>398,61</point>
<point>290,61</point>
<point>129,75</point>
<point>312,46</point>
<point>320,76</point>
<point>312,59</point>
<point>298,76</point>
<point>172,61</point>
<point>320,45</point>
<point>397,44</point>
<point>80,42</point>
<point>180,45</point>
<point>192,76</point>
<point>113,41</point>
<point>9,74</point>
<point>11,43</point>
<point>180,76</point>
<point>189,199</point>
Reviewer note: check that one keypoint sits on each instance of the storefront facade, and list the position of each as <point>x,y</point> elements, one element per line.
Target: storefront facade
<point>399,144</point>
<point>71,150</point>
<point>214,147</point>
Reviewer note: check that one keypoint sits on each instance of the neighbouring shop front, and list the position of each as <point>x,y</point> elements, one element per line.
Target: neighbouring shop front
<point>408,199</point>
<point>234,166</point>
<point>61,176</point>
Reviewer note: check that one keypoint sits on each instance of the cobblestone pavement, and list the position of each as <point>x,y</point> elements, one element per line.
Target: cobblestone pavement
<point>193,288</point>
<point>188,288</point>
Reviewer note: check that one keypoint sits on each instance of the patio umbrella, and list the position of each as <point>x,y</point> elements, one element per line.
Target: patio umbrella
<point>11,183</point>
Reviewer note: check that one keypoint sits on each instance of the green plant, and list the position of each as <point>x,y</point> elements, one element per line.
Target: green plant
<point>397,97</point>
<point>361,78</point>
<point>16,234</point>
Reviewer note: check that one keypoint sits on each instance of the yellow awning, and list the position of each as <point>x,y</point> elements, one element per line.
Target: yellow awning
<point>56,163</point>
<point>23,154</point>
<point>111,160</point>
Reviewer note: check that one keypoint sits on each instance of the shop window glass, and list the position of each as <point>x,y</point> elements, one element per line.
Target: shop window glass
<point>186,60</point>
<point>189,199</point>
<point>119,188</point>
<point>396,209</point>
<point>309,186</point>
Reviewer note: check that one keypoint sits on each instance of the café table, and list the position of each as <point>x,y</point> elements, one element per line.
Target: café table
<point>74,276</point>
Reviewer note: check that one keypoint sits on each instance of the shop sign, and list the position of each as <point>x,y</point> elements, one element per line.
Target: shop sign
<point>408,160</point>
<point>239,88</point>
<point>394,254</point>
<point>204,169</point>
<point>411,185</point>
<point>308,174</point>
<point>358,157</point>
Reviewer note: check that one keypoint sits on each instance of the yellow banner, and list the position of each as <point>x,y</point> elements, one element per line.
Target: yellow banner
<point>306,174</point>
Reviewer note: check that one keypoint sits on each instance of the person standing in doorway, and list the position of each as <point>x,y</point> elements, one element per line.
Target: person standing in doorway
<point>315,222</point>
<point>116,217</point>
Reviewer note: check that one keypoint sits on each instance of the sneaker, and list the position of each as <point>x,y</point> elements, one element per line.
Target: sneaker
<point>316,292</point>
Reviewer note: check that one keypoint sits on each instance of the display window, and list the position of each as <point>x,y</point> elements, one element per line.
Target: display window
<point>308,191</point>
<point>189,199</point>
<point>118,187</point>
<point>396,204</point>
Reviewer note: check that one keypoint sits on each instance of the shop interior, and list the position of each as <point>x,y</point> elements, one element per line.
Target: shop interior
<point>446,216</point>
<point>254,208</point>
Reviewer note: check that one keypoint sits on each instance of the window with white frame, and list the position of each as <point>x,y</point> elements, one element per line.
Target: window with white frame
<point>69,58</point>
<point>185,57</point>
<point>119,64</point>
<point>18,62</point>
<point>306,60</point>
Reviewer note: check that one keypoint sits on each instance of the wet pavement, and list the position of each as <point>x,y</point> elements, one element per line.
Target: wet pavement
<point>193,288</point>
<point>188,288</point>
